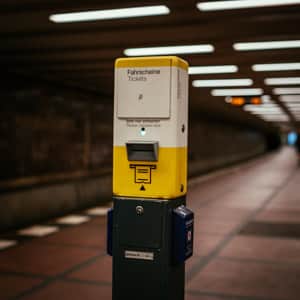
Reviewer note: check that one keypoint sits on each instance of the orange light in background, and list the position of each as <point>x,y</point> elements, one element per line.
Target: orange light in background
<point>256,101</point>
<point>237,101</point>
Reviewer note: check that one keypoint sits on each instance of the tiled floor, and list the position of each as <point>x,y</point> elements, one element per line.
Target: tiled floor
<point>247,242</point>
<point>248,278</point>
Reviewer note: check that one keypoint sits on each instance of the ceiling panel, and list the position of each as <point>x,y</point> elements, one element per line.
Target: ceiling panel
<point>82,54</point>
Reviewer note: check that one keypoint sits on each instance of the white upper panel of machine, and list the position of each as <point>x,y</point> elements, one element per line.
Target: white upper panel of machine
<point>151,104</point>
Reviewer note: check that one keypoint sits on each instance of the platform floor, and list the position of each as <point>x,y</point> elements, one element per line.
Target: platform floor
<point>247,242</point>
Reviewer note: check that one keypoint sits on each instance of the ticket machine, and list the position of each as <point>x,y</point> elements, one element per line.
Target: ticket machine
<point>150,230</point>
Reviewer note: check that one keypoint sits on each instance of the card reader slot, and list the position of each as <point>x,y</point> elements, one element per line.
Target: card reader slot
<point>145,151</point>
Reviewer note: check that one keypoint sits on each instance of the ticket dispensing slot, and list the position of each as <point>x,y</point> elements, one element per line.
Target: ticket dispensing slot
<point>145,151</point>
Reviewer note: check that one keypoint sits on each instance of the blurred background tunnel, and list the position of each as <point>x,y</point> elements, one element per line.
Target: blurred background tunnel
<point>57,93</point>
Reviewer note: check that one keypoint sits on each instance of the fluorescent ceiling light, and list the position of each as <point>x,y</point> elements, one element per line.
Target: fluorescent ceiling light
<point>266,112</point>
<point>266,45</point>
<point>213,69</point>
<point>276,119</point>
<point>266,98</point>
<point>262,106</point>
<point>270,116</point>
<point>270,104</point>
<point>282,80</point>
<point>276,67</point>
<point>290,98</point>
<point>275,116</point>
<point>262,109</point>
<point>292,104</point>
<point>286,91</point>
<point>240,4</point>
<point>119,13</point>
<point>205,48</point>
<point>294,108</point>
<point>222,82</point>
<point>236,92</point>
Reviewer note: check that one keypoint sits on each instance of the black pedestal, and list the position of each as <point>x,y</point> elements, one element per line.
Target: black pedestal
<point>143,268</point>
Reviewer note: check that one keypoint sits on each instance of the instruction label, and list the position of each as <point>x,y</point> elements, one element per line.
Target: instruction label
<point>143,173</point>
<point>139,255</point>
<point>143,93</point>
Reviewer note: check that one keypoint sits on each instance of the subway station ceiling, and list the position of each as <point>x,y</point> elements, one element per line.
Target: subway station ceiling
<point>82,54</point>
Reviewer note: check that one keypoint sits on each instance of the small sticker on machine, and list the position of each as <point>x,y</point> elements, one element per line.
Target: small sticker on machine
<point>139,255</point>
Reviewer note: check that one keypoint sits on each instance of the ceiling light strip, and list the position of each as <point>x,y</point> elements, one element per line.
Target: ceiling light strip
<point>213,69</point>
<point>282,81</point>
<point>167,50</point>
<point>222,82</point>
<point>276,67</point>
<point>290,98</point>
<point>119,13</point>
<point>241,4</point>
<point>279,111</point>
<point>255,46</point>
<point>237,92</point>
<point>286,91</point>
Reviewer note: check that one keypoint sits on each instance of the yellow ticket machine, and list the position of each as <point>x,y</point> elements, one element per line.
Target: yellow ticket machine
<point>150,232</point>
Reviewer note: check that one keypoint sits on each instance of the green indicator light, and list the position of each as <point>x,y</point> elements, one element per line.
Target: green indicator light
<point>143,131</point>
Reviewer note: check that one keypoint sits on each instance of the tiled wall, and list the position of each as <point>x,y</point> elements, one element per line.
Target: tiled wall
<point>216,144</point>
<point>44,133</point>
